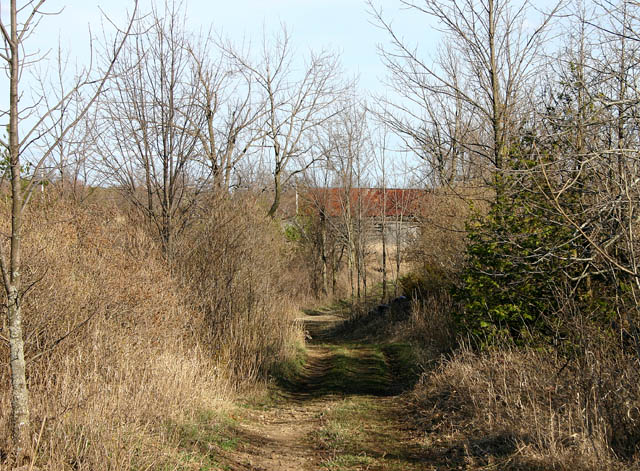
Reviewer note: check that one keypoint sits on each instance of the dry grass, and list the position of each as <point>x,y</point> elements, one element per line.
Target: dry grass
<point>440,244</point>
<point>528,409</point>
<point>234,266</point>
<point>512,407</point>
<point>429,325</point>
<point>134,358</point>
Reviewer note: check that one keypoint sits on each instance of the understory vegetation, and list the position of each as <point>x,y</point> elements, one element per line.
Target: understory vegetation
<point>124,352</point>
<point>520,372</point>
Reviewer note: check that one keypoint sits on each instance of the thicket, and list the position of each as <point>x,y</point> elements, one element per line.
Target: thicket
<point>545,365</point>
<point>538,366</point>
<point>237,270</point>
<point>121,347</point>
<point>164,118</point>
<point>551,330</point>
<point>519,253</point>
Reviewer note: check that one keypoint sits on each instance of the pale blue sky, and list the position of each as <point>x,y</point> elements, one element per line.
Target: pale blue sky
<point>344,26</point>
<point>341,25</point>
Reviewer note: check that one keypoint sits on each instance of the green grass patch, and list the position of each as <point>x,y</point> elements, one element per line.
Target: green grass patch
<point>359,434</point>
<point>201,441</point>
<point>352,369</point>
<point>357,369</point>
<point>347,462</point>
<point>404,365</point>
<point>194,461</point>
<point>332,436</point>
<point>288,370</point>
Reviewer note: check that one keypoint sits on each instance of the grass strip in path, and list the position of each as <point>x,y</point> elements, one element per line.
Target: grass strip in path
<point>335,408</point>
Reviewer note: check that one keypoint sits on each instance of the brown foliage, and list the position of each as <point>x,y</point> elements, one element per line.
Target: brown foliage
<point>115,345</point>
<point>440,245</point>
<point>525,408</point>
<point>233,264</point>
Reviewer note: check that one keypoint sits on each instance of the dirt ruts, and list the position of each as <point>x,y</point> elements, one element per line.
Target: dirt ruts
<point>340,411</point>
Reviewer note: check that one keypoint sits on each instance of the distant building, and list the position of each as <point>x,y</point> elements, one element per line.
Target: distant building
<point>398,210</point>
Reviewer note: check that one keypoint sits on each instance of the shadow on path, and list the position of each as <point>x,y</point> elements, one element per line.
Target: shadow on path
<point>340,410</point>
<point>336,367</point>
<point>341,370</point>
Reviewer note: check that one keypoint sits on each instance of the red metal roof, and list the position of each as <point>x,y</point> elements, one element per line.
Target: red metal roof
<point>371,201</point>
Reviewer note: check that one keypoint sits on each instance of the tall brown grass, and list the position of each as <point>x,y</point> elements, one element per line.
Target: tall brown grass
<point>531,410</point>
<point>573,406</point>
<point>234,266</point>
<point>118,346</point>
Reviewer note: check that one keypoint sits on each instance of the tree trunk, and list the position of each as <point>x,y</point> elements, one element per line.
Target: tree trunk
<point>323,251</point>
<point>351,261</point>
<point>276,197</point>
<point>497,112</point>
<point>384,260</point>
<point>19,393</point>
<point>364,275</point>
<point>398,248</point>
<point>358,265</point>
<point>335,264</point>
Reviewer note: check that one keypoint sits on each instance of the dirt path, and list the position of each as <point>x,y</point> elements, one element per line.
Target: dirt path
<point>340,412</point>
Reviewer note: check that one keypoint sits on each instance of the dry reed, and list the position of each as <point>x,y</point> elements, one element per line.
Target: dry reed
<point>115,343</point>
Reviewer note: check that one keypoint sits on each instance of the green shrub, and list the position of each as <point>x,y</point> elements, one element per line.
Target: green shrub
<point>518,255</point>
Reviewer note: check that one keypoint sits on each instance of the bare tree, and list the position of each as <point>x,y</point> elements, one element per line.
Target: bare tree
<point>588,151</point>
<point>297,100</point>
<point>316,196</point>
<point>22,134</point>
<point>151,121</point>
<point>67,166</point>
<point>402,204</point>
<point>476,84</point>
<point>380,150</point>
<point>227,124</point>
<point>349,156</point>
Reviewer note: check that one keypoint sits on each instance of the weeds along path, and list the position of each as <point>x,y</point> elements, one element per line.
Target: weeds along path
<point>339,411</point>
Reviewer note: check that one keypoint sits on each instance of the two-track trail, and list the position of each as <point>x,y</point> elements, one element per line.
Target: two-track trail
<point>340,411</point>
